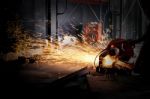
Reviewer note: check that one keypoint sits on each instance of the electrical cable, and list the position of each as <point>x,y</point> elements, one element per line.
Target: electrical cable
<point>99,54</point>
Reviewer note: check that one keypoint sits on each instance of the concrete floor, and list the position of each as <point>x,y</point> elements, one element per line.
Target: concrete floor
<point>35,79</point>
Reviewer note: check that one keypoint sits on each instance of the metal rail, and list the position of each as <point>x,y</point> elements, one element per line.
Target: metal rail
<point>73,76</point>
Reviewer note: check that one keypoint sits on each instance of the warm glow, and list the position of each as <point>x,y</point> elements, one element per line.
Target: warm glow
<point>65,51</point>
<point>108,61</point>
<point>71,51</point>
<point>113,62</point>
<point>82,55</point>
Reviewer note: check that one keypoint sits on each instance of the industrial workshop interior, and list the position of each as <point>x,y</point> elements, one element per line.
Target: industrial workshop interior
<point>75,49</point>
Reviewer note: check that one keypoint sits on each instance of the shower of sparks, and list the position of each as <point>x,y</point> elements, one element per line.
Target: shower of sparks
<point>70,51</point>
<point>67,50</point>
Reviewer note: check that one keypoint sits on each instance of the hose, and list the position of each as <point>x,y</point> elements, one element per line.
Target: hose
<point>101,53</point>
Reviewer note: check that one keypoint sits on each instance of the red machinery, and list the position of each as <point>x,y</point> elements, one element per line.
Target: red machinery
<point>92,32</point>
<point>116,55</point>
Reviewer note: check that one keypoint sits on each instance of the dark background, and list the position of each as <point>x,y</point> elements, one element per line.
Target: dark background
<point>128,17</point>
